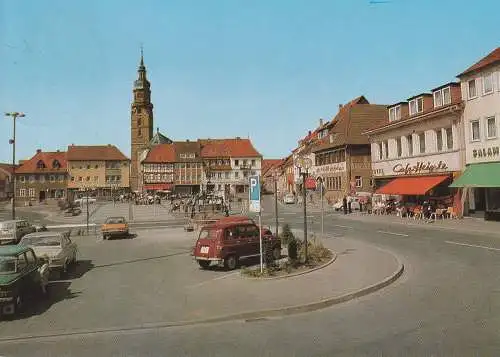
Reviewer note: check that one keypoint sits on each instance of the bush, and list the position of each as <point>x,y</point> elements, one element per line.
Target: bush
<point>316,252</point>
<point>286,234</point>
<point>293,248</point>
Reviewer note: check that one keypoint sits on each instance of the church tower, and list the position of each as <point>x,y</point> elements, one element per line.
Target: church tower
<point>141,122</point>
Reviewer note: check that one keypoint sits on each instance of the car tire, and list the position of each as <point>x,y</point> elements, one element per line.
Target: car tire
<point>104,237</point>
<point>276,253</point>
<point>204,264</point>
<point>230,262</point>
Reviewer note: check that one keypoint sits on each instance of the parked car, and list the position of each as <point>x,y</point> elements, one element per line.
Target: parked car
<point>83,200</point>
<point>72,211</point>
<point>21,274</point>
<point>12,231</point>
<point>115,227</point>
<point>339,205</point>
<point>56,248</point>
<point>227,241</point>
<point>289,198</point>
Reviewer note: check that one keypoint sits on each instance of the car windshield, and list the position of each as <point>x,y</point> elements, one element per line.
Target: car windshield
<point>4,226</point>
<point>7,265</point>
<point>209,233</point>
<point>115,220</point>
<point>45,241</point>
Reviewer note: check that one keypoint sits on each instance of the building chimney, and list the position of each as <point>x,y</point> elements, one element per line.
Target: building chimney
<point>340,106</point>
<point>238,138</point>
<point>38,151</point>
<point>309,132</point>
<point>320,122</point>
<point>158,130</point>
<point>187,140</point>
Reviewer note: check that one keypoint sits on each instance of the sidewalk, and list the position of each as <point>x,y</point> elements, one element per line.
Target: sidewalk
<point>466,224</point>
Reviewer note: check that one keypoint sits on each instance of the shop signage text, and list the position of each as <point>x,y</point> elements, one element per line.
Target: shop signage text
<point>485,152</point>
<point>329,168</point>
<point>419,167</point>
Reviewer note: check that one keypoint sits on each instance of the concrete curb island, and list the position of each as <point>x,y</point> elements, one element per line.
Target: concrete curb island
<point>334,257</point>
<point>245,316</point>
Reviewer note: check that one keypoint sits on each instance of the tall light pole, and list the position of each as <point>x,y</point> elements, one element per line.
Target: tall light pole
<point>275,177</point>
<point>320,179</point>
<point>14,116</point>
<point>304,164</point>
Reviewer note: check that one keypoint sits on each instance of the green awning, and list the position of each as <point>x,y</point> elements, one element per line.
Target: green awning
<point>479,175</point>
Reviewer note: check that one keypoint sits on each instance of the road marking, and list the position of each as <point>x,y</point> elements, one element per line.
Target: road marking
<point>341,226</point>
<point>394,234</point>
<point>472,245</point>
<point>214,279</point>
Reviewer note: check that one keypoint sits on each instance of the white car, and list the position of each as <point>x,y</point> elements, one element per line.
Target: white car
<point>339,205</point>
<point>83,200</point>
<point>289,198</point>
<point>54,247</point>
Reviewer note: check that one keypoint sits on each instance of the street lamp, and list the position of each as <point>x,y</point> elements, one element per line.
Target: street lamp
<point>275,177</point>
<point>304,164</point>
<point>320,180</point>
<point>14,116</point>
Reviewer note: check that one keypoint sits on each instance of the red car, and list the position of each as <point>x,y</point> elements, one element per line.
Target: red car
<point>232,239</point>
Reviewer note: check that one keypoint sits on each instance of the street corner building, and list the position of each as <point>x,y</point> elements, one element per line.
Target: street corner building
<point>342,155</point>
<point>42,179</point>
<point>416,152</point>
<point>6,180</point>
<point>102,170</point>
<point>480,181</point>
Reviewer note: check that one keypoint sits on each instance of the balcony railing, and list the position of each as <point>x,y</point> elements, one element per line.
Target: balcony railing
<point>245,167</point>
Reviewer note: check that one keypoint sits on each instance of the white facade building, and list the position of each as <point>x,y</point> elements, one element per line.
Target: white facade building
<point>481,120</point>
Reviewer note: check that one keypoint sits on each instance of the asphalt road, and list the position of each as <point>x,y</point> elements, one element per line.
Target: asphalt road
<point>446,304</point>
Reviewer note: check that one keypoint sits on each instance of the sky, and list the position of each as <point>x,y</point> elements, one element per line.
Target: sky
<point>268,70</point>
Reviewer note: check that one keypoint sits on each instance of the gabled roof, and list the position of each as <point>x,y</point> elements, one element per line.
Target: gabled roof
<point>7,167</point>
<point>161,153</point>
<point>95,153</point>
<point>185,147</point>
<point>269,164</point>
<point>48,159</point>
<point>490,59</point>
<point>236,147</point>
<point>351,121</point>
<point>158,138</point>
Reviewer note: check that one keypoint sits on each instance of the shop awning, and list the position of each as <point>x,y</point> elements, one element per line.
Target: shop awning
<point>479,175</point>
<point>411,185</point>
<point>158,186</point>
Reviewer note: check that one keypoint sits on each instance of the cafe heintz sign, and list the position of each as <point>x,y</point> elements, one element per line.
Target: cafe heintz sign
<point>419,167</point>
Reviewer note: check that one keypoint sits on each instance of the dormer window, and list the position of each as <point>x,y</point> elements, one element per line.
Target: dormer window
<point>442,97</point>
<point>40,164</point>
<point>395,113</point>
<point>56,164</point>
<point>416,105</point>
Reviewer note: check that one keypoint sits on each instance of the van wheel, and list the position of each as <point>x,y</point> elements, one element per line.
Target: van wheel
<point>276,253</point>
<point>230,262</point>
<point>204,264</point>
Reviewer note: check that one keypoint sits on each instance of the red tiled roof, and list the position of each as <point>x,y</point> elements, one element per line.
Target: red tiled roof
<point>268,164</point>
<point>491,58</point>
<point>7,167</point>
<point>228,147</point>
<point>95,152</point>
<point>161,153</point>
<point>47,158</point>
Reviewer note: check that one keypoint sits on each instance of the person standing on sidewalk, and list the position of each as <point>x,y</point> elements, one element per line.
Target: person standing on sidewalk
<point>344,204</point>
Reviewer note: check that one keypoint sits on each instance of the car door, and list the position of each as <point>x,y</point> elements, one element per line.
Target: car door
<point>253,240</point>
<point>32,276</point>
<point>25,280</point>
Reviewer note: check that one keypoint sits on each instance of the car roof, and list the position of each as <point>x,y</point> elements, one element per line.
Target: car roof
<point>44,234</point>
<point>9,250</point>
<point>13,220</point>
<point>230,221</point>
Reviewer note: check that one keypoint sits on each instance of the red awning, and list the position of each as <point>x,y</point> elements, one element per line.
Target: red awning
<point>411,185</point>
<point>310,183</point>
<point>158,186</point>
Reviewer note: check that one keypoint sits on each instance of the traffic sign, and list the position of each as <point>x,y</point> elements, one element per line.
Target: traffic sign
<point>254,194</point>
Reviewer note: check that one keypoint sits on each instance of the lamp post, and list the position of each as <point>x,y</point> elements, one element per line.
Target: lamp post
<point>304,164</point>
<point>14,116</point>
<point>275,177</point>
<point>320,179</point>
